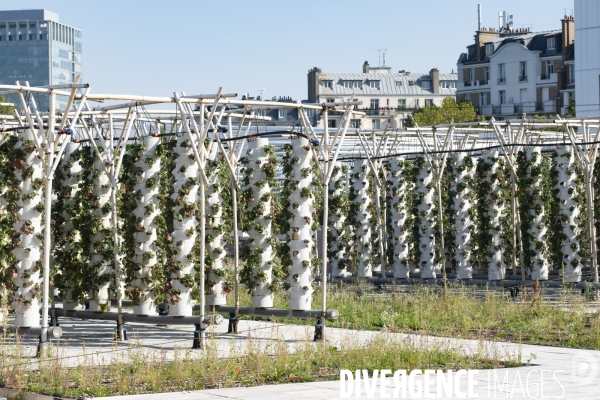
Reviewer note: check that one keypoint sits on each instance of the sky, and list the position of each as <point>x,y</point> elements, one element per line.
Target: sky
<point>156,47</point>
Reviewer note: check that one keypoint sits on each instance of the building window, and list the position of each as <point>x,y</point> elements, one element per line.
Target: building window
<point>484,99</point>
<point>411,83</point>
<point>489,49</point>
<point>356,84</point>
<point>486,73</point>
<point>376,124</point>
<point>43,36</point>
<point>429,102</point>
<point>523,95</point>
<point>398,83</point>
<point>501,73</point>
<point>571,75</point>
<point>523,71</point>
<point>348,84</point>
<point>550,43</point>
<point>401,103</point>
<point>374,84</point>
<point>467,97</point>
<point>281,114</point>
<point>502,96</point>
<point>471,74</point>
<point>355,123</point>
<point>425,85</point>
<point>327,84</point>
<point>374,104</point>
<point>417,103</point>
<point>330,100</point>
<point>331,123</point>
<point>549,68</point>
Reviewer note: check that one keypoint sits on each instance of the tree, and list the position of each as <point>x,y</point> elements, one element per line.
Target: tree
<point>449,112</point>
<point>6,110</point>
<point>570,108</point>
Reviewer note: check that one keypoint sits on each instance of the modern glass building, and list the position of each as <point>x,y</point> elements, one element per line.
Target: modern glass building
<point>36,48</point>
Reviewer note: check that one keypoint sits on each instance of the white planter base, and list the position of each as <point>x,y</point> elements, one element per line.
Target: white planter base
<point>27,317</point>
<point>262,301</point>
<point>300,303</point>
<point>216,299</point>
<point>146,308</point>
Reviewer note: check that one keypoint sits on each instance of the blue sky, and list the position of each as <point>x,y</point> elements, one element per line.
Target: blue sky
<point>155,47</point>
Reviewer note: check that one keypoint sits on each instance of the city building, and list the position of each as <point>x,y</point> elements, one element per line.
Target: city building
<point>507,72</point>
<point>36,48</point>
<point>587,66</point>
<point>388,98</point>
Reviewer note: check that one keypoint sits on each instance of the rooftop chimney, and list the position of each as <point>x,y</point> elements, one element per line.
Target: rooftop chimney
<point>434,74</point>
<point>366,67</point>
<point>568,34</point>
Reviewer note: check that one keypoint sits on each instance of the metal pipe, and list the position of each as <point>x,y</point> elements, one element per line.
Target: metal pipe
<point>275,312</point>
<point>48,217</point>
<point>477,282</point>
<point>326,166</point>
<point>53,332</point>
<point>193,320</point>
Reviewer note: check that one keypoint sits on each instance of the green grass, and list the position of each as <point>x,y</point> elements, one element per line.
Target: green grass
<point>461,313</point>
<point>140,371</point>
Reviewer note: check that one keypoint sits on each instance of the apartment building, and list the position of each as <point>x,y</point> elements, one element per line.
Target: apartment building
<point>507,72</point>
<point>388,98</point>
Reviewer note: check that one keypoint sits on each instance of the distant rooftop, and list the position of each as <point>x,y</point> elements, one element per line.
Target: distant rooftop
<point>28,15</point>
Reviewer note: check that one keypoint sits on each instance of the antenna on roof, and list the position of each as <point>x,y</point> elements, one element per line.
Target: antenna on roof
<point>379,56</point>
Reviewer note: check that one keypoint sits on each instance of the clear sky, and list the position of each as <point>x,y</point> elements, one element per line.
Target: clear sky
<point>155,47</point>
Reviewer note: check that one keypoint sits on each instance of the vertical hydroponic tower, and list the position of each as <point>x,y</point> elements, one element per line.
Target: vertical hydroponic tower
<point>537,227</point>
<point>363,207</point>
<point>302,211</point>
<point>569,212</point>
<point>257,274</point>
<point>71,169</point>
<point>426,198</point>
<point>101,248</point>
<point>398,187</point>
<point>180,264</point>
<point>216,231</point>
<point>461,193</point>
<point>338,239</point>
<point>145,258</point>
<point>22,200</point>
<point>495,204</point>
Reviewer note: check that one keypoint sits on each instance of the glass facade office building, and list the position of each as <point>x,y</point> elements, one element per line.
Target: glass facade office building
<point>36,48</point>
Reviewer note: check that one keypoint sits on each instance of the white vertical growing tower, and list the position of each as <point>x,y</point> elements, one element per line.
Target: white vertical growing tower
<point>569,212</point>
<point>339,232</point>
<point>185,197</point>
<point>71,169</point>
<point>464,169</point>
<point>99,297</point>
<point>29,178</point>
<point>148,208</point>
<point>426,195</point>
<point>363,201</point>
<point>215,237</point>
<point>495,207</point>
<point>398,191</point>
<point>258,273</point>
<point>301,234</point>
<point>537,232</point>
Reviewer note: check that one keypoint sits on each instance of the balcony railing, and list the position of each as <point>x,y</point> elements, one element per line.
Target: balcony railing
<point>522,79</point>
<point>501,80</point>
<point>483,82</point>
<point>467,83</point>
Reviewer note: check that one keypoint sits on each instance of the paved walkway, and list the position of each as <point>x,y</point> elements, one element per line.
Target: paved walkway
<point>551,372</point>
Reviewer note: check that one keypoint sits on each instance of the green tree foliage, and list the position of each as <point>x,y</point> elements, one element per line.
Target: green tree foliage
<point>570,109</point>
<point>6,110</point>
<point>449,112</point>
